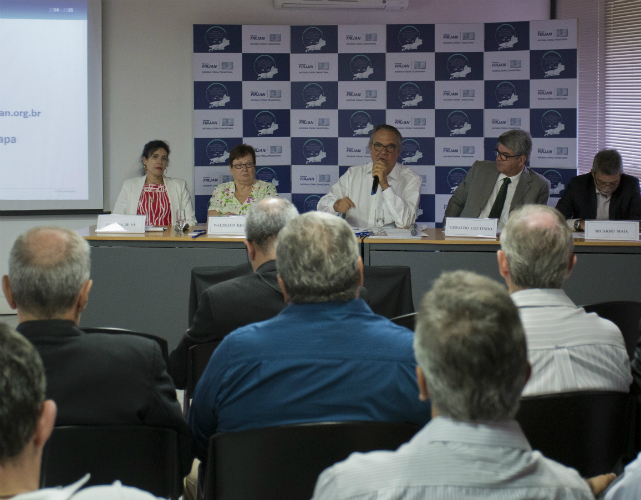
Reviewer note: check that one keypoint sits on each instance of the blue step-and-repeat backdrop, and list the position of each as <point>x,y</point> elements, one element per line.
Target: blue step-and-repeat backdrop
<point>306,98</point>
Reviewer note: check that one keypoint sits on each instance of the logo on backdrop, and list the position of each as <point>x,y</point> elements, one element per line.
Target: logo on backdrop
<point>267,174</point>
<point>265,67</point>
<point>506,36</point>
<point>552,64</point>
<point>265,123</point>
<point>313,39</point>
<point>409,95</point>
<point>216,38</point>
<point>458,123</point>
<point>314,151</point>
<point>361,67</point>
<point>410,38</point>
<point>218,152</point>
<point>556,181</point>
<point>505,94</point>
<point>410,151</point>
<point>311,202</point>
<point>361,123</point>
<point>455,177</point>
<point>552,123</point>
<point>217,95</point>
<point>458,66</point>
<point>314,95</point>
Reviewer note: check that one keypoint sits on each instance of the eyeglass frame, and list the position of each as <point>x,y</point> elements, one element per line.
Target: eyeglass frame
<point>505,157</point>
<point>602,184</point>
<point>243,166</point>
<point>378,147</point>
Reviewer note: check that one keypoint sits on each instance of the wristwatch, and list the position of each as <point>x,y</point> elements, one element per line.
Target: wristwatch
<point>577,224</point>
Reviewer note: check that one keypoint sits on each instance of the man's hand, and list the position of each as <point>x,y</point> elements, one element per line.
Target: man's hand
<point>380,169</point>
<point>599,483</point>
<point>343,205</point>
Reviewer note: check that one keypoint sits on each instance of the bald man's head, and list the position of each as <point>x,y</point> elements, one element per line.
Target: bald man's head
<point>538,246</point>
<point>48,267</point>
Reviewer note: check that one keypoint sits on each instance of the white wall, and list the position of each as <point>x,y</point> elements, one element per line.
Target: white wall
<point>147,82</point>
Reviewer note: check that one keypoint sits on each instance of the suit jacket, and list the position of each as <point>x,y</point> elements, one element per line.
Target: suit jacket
<point>102,379</point>
<point>127,202</point>
<point>226,306</point>
<point>579,199</point>
<point>472,194</point>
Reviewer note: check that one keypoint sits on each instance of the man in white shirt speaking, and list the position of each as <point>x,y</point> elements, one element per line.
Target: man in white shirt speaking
<point>358,195</point>
<point>569,349</point>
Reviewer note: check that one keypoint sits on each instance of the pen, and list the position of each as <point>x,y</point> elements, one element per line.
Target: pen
<point>197,235</point>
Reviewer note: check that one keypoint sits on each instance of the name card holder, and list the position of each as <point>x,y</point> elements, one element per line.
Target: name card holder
<point>232,225</point>
<point>131,223</point>
<point>468,227</point>
<point>626,230</point>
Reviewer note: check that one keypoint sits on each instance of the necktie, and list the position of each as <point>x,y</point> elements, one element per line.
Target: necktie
<point>497,208</point>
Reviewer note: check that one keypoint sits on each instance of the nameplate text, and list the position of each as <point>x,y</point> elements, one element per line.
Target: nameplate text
<point>475,228</point>
<point>131,223</point>
<point>627,230</point>
<point>233,225</point>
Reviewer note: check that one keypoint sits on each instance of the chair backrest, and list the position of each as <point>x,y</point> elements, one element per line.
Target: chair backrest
<point>141,456</point>
<point>389,289</point>
<point>204,277</point>
<point>164,348</point>
<point>588,431</point>
<point>406,320</point>
<point>626,315</point>
<point>197,360</point>
<point>284,462</point>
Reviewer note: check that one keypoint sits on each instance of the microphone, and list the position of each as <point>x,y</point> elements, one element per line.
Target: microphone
<point>375,185</point>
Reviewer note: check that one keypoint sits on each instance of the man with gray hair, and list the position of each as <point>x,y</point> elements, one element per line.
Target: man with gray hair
<point>494,189</point>
<point>325,357</point>
<point>605,193</point>
<point>223,307</point>
<point>95,379</point>
<point>472,364</point>
<point>397,189</point>
<point>568,348</point>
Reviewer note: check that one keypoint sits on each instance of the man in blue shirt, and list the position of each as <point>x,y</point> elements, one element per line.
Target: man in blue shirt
<point>325,357</point>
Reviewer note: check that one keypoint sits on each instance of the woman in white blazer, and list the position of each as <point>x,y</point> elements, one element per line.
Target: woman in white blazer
<point>155,195</point>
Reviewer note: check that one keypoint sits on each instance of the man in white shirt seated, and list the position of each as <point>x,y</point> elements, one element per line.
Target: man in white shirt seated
<point>472,363</point>
<point>568,349</point>
<point>398,188</point>
<point>26,422</point>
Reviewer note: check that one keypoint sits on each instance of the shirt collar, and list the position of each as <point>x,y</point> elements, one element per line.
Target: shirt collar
<point>392,175</point>
<point>514,179</point>
<point>542,297</point>
<point>599,193</point>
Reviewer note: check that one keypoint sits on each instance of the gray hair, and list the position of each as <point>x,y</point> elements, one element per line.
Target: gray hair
<point>383,127</point>
<point>470,344</point>
<point>22,392</point>
<point>47,268</point>
<point>608,162</point>
<point>265,219</point>
<point>538,246</point>
<point>519,141</point>
<point>317,258</point>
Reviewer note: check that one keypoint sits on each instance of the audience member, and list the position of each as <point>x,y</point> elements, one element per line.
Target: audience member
<point>95,379</point>
<point>568,348</point>
<point>472,363</point>
<point>326,356</point>
<point>247,299</point>
<point>26,422</point>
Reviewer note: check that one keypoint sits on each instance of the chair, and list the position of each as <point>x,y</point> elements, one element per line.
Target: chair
<point>141,456</point>
<point>284,462</point>
<point>407,320</point>
<point>389,289</point>
<point>204,277</point>
<point>589,431</point>
<point>164,349</point>
<point>197,359</point>
<point>626,315</point>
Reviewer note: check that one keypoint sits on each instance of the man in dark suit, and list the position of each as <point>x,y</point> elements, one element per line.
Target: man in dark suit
<point>606,193</point>
<point>493,189</point>
<point>94,379</point>
<point>247,299</point>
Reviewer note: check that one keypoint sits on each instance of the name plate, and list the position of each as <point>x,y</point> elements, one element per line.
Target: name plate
<point>627,230</point>
<point>131,223</point>
<point>230,225</point>
<point>475,228</point>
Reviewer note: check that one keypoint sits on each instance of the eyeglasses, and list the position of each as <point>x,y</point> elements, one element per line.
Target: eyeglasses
<point>241,166</point>
<point>378,147</point>
<point>603,185</point>
<point>503,156</point>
